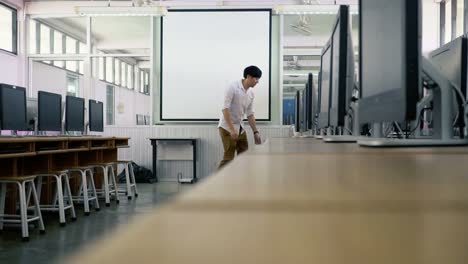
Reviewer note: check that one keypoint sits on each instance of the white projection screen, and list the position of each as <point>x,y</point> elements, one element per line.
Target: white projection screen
<point>203,51</point>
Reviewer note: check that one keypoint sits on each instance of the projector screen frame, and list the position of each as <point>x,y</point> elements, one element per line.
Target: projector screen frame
<point>197,120</point>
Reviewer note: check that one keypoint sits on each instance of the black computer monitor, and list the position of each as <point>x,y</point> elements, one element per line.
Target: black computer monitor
<point>96,116</point>
<point>311,102</point>
<point>452,61</point>
<point>325,87</point>
<point>342,82</point>
<point>297,120</point>
<point>12,107</point>
<point>390,62</point>
<point>49,111</point>
<point>74,113</point>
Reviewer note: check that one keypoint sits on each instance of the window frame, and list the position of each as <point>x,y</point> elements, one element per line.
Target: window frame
<point>14,30</point>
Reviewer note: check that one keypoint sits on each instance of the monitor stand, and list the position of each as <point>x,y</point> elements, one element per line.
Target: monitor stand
<point>442,116</point>
<point>355,136</point>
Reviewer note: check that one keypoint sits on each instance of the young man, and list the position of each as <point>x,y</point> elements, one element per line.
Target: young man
<point>238,103</point>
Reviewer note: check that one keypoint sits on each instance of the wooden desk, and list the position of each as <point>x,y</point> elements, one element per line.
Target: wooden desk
<point>412,181</point>
<point>281,146</point>
<point>32,155</point>
<point>294,206</point>
<point>278,237</point>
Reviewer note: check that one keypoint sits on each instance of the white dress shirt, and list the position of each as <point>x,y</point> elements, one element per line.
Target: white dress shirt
<point>240,105</point>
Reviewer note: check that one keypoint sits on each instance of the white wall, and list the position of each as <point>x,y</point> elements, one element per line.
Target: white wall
<point>12,67</point>
<point>210,149</point>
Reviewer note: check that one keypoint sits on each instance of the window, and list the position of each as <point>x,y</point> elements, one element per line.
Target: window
<point>32,37</point>
<point>109,69</point>
<point>110,105</point>
<point>117,72</point>
<point>142,81</point>
<point>124,74</point>
<point>72,85</point>
<point>460,15</point>
<point>44,44</point>
<point>70,45</point>
<point>58,47</point>
<point>82,48</point>
<point>8,29</point>
<point>102,61</point>
<point>130,76</point>
<point>81,67</point>
<point>146,91</point>
<point>448,21</point>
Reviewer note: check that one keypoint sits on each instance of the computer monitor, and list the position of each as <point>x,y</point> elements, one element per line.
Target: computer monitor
<point>342,82</point>
<point>12,107</point>
<point>74,113</point>
<point>452,61</point>
<point>147,120</point>
<point>49,111</point>
<point>311,102</point>
<point>297,121</point>
<point>96,116</point>
<point>140,120</point>
<point>390,62</point>
<point>325,88</point>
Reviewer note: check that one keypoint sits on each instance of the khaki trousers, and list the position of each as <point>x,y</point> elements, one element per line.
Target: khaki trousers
<point>231,146</point>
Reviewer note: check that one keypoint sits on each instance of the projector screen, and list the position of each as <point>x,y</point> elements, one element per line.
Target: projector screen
<point>203,51</point>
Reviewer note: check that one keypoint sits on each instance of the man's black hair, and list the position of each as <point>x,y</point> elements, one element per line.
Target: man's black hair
<point>253,71</point>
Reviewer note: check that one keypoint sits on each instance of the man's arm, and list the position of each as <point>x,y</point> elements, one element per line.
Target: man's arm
<point>228,119</point>
<point>253,125</point>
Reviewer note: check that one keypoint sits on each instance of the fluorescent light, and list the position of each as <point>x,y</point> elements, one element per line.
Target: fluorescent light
<point>310,9</point>
<point>121,10</point>
<point>305,9</point>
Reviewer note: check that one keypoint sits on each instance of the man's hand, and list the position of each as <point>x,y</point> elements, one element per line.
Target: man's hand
<point>234,134</point>
<point>258,139</point>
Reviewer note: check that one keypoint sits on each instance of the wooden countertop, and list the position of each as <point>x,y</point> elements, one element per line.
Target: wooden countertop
<point>413,181</point>
<point>299,201</point>
<point>278,237</point>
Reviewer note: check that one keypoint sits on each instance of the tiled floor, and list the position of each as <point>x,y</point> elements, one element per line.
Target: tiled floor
<point>59,242</point>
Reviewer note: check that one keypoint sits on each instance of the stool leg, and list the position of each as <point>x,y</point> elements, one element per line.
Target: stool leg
<point>60,200</point>
<point>85,192</point>
<point>128,183</point>
<point>23,210</point>
<point>132,175</point>
<point>2,204</point>
<point>38,208</point>
<point>106,185</point>
<point>93,189</point>
<point>114,182</point>
<point>69,195</point>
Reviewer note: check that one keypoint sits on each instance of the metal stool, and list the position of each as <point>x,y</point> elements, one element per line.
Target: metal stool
<point>85,194</point>
<point>25,186</point>
<point>129,179</point>
<point>62,187</point>
<point>107,190</point>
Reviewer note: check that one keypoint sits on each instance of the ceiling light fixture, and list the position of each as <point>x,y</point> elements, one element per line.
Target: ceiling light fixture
<point>121,10</point>
<point>310,9</point>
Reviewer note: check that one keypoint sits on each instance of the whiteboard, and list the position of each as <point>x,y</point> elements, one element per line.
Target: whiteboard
<point>203,51</point>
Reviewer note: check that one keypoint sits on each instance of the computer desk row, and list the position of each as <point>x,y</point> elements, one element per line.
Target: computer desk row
<point>22,156</point>
<point>304,201</point>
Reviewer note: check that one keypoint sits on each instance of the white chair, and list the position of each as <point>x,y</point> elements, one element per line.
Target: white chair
<point>87,192</point>
<point>26,188</point>
<point>130,182</point>
<point>63,196</point>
